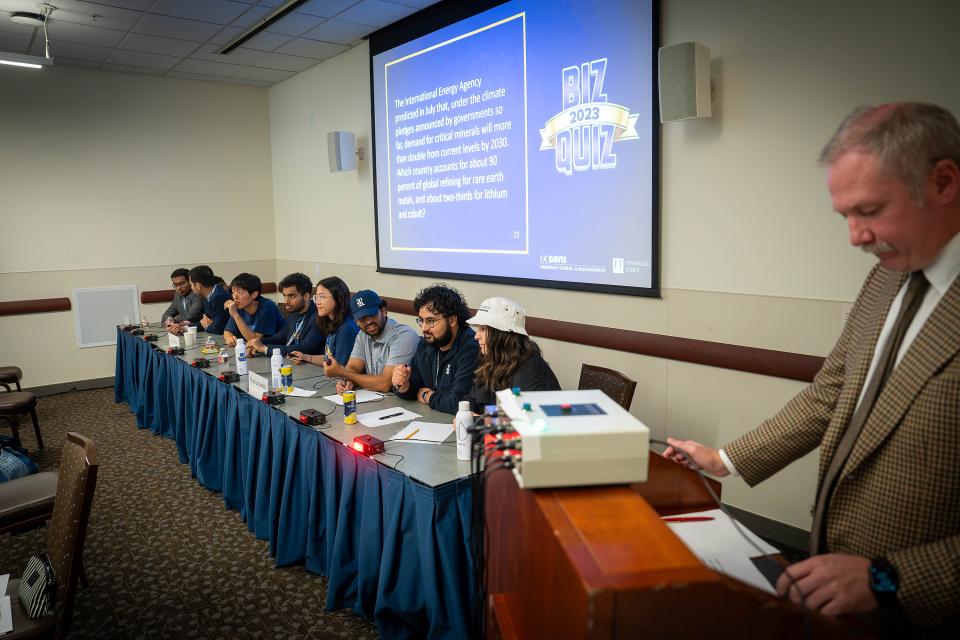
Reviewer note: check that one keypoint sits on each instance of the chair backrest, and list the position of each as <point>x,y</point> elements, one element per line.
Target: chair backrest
<point>68,525</point>
<point>613,383</point>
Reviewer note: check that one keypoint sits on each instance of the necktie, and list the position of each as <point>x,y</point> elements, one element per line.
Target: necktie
<point>885,364</point>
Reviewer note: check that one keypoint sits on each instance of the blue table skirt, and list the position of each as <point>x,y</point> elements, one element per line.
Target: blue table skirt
<point>394,550</point>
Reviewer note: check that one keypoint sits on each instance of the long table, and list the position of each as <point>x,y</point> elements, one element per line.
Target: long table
<point>392,535</point>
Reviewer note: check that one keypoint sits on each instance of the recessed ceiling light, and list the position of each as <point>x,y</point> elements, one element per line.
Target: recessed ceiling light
<point>27,19</point>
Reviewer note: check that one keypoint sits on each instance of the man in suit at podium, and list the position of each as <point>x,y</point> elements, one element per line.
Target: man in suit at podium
<point>885,407</point>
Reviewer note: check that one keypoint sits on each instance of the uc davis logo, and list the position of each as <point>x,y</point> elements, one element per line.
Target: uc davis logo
<point>582,135</point>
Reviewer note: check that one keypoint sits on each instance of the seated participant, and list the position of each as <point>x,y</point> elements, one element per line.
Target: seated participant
<point>251,315</point>
<point>187,307</point>
<point>214,295</point>
<point>508,357</point>
<point>441,373</point>
<point>384,344</point>
<point>300,332</point>
<point>334,320</point>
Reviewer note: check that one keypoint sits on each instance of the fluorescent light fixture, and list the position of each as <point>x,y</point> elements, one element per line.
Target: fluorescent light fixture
<point>20,60</point>
<point>257,27</point>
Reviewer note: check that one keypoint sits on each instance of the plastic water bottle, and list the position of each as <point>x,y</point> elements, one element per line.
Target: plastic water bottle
<point>223,359</point>
<point>276,361</point>
<point>241,357</point>
<point>464,421</point>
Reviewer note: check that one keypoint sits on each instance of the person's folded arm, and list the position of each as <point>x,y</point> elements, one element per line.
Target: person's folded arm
<point>448,400</point>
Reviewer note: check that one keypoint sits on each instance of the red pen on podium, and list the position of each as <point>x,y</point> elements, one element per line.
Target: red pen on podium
<point>688,519</point>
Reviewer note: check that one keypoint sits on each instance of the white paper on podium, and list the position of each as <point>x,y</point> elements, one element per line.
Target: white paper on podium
<point>6,615</point>
<point>386,416</point>
<point>718,536</point>
<point>362,396</point>
<point>740,567</point>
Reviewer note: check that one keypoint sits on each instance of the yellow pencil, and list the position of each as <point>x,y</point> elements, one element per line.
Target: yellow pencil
<point>412,434</point>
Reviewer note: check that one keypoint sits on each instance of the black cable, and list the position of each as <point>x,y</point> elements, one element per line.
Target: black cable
<point>387,453</point>
<point>740,529</point>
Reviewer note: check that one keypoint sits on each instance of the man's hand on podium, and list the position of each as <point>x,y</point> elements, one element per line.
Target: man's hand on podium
<point>703,456</point>
<point>832,583</point>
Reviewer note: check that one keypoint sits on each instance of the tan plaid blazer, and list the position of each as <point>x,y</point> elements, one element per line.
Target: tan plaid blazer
<point>898,494</point>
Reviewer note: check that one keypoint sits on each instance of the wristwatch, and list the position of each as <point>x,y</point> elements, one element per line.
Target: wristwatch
<point>884,581</point>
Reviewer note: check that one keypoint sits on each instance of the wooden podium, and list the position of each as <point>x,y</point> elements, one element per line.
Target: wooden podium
<point>597,562</point>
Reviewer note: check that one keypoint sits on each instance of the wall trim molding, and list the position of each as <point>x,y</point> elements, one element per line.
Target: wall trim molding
<point>166,295</point>
<point>45,305</point>
<point>767,362</point>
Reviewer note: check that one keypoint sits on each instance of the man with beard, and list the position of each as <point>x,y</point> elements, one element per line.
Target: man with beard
<point>187,306</point>
<point>381,345</point>
<point>301,331</point>
<point>441,373</point>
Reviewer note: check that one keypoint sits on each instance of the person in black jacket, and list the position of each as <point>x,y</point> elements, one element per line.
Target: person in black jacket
<point>508,357</point>
<point>441,372</point>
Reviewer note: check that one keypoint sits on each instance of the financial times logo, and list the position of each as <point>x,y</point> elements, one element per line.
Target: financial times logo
<point>583,134</point>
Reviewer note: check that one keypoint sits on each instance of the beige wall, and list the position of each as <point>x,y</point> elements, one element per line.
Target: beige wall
<point>110,179</point>
<point>752,253</point>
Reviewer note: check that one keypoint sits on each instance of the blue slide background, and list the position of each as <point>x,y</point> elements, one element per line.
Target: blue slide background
<point>587,218</point>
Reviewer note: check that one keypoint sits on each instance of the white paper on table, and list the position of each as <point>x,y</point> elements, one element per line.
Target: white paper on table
<point>386,416</point>
<point>301,393</point>
<point>740,567</point>
<point>4,579</point>
<point>362,396</point>
<point>718,536</point>
<point>256,385</point>
<point>6,615</point>
<point>420,432</point>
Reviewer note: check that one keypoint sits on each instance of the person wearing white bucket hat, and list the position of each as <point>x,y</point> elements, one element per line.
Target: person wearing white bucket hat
<point>508,357</point>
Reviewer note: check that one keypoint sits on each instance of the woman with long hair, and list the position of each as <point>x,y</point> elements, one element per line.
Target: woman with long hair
<point>508,357</point>
<point>333,317</point>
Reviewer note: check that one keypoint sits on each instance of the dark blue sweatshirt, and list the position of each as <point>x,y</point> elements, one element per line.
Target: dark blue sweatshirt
<point>449,373</point>
<point>213,308</point>
<point>300,333</point>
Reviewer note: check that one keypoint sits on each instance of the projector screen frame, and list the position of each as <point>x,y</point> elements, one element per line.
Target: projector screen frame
<point>448,12</point>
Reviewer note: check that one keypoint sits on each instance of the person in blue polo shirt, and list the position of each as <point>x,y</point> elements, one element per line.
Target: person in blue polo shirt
<point>441,373</point>
<point>251,315</point>
<point>301,333</point>
<point>214,295</point>
<point>381,345</point>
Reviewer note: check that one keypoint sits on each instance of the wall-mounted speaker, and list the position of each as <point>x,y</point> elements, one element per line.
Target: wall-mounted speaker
<point>684,81</point>
<point>342,150</point>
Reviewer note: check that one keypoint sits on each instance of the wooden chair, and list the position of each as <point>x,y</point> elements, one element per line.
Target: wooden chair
<point>613,383</point>
<point>68,530</point>
<point>10,375</point>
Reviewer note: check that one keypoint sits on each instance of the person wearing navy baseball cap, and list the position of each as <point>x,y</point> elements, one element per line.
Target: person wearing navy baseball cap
<point>381,345</point>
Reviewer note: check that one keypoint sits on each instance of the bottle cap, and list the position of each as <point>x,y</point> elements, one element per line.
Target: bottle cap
<point>464,405</point>
<point>276,351</point>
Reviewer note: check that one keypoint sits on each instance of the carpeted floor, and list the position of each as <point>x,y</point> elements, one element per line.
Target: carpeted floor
<point>165,559</point>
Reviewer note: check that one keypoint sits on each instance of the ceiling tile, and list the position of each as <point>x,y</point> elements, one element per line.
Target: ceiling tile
<point>293,24</point>
<point>85,34</point>
<point>285,63</point>
<point>240,55</point>
<point>128,4</point>
<point>266,41</point>
<point>73,50</point>
<point>218,11</point>
<point>271,3</point>
<point>139,59</point>
<point>91,14</point>
<point>156,44</point>
<point>168,27</point>
<point>312,49</point>
<point>265,75</point>
<point>208,68</point>
<point>14,42</point>
<point>251,16</point>
<point>339,31</point>
<point>74,62</point>
<point>325,8</point>
<point>419,4</point>
<point>126,69</point>
<point>193,76</point>
<point>13,27</point>
<point>375,13</point>
<point>249,83</point>
<point>225,35</point>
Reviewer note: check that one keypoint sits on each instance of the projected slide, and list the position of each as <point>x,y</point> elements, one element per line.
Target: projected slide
<point>517,144</point>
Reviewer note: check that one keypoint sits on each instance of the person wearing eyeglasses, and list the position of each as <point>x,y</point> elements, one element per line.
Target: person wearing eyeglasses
<point>441,372</point>
<point>332,302</point>
<point>382,344</point>
<point>300,333</point>
<point>508,357</point>
<point>186,306</point>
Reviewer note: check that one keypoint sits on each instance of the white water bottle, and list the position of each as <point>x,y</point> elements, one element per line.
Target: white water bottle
<point>241,357</point>
<point>464,421</point>
<point>276,361</point>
